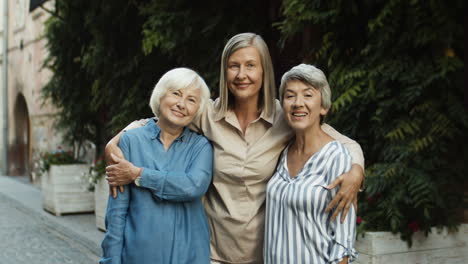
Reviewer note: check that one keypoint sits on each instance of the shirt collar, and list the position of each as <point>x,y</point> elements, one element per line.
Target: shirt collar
<point>268,118</point>
<point>230,115</point>
<point>156,131</point>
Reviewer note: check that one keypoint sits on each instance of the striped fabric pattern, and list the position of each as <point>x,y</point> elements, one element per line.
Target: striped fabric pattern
<point>297,228</point>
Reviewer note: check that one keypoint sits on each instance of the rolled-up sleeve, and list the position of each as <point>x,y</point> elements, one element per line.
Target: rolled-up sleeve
<point>182,185</point>
<point>344,236</point>
<point>116,216</point>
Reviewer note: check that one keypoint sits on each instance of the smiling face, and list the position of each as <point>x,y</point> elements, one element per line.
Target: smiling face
<point>244,74</point>
<point>177,108</point>
<point>302,106</point>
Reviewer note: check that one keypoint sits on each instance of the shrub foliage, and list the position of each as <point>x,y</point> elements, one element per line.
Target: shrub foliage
<point>395,68</point>
<point>396,71</point>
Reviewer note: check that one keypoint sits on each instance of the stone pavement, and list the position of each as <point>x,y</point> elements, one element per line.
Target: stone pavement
<point>31,235</point>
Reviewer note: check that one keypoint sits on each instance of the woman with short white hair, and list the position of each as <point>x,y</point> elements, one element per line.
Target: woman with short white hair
<point>177,79</point>
<point>164,221</point>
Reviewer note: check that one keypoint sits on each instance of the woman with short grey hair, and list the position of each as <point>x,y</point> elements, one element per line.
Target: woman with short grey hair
<point>311,75</point>
<point>297,228</point>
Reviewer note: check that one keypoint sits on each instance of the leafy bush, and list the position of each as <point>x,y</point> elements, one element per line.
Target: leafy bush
<point>395,67</point>
<point>106,57</point>
<point>396,71</point>
<point>101,79</point>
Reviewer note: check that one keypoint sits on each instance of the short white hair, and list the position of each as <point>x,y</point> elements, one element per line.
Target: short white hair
<point>176,79</point>
<point>309,75</point>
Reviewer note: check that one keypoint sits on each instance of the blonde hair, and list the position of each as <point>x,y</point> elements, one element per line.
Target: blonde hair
<point>176,79</point>
<point>268,90</point>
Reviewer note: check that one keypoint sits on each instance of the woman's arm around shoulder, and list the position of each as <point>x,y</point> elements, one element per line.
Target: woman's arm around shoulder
<point>351,181</point>
<point>352,146</point>
<point>112,148</point>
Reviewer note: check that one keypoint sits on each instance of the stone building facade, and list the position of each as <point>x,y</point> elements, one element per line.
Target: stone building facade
<point>30,122</point>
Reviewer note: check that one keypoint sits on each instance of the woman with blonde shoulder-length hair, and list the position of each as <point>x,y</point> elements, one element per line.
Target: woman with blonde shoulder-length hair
<point>247,129</point>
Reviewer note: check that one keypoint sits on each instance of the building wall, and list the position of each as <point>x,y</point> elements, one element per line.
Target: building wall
<point>26,54</point>
<point>1,86</point>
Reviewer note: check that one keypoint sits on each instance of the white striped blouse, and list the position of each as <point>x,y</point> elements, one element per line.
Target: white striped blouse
<point>297,228</point>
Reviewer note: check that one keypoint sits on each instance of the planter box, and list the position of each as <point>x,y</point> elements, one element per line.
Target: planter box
<point>64,190</point>
<point>101,194</point>
<point>438,247</point>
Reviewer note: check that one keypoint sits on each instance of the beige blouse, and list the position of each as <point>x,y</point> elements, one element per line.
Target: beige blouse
<point>235,201</point>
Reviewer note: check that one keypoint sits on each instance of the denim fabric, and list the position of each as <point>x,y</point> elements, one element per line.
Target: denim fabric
<point>163,220</point>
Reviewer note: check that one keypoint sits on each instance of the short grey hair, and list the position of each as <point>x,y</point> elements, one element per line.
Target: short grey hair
<point>268,90</point>
<point>309,75</point>
<point>176,79</point>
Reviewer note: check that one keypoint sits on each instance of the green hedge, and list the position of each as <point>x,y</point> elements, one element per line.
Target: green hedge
<point>395,68</point>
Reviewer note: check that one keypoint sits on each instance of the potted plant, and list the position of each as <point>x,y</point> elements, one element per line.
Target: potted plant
<point>98,183</point>
<point>63,189</point>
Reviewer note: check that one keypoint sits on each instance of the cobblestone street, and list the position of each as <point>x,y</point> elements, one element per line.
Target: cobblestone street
<point>29,238</point>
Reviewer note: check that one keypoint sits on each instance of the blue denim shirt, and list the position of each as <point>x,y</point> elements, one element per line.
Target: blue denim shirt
<point>163,220</point>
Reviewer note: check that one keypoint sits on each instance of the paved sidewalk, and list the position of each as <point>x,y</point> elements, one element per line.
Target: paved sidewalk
<point>31,235</point>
